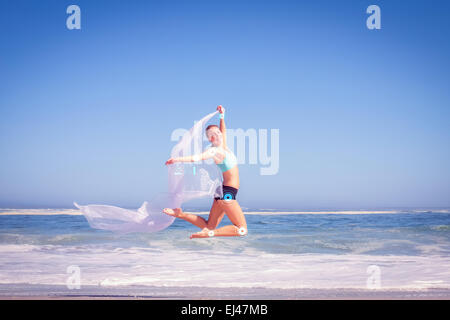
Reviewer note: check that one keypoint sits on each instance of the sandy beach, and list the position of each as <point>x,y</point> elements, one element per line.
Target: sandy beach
<point>14,292</point>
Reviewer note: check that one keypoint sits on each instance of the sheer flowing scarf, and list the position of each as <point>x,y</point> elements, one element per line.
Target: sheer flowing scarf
<point>187,181</point>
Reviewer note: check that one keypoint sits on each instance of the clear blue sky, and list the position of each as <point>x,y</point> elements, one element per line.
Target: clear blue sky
<point>86,115</point>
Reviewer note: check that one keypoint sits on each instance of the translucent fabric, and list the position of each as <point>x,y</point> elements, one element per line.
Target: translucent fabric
<point>187,181</point>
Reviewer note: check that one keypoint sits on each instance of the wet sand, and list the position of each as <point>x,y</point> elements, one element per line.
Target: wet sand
<point>37,292</point>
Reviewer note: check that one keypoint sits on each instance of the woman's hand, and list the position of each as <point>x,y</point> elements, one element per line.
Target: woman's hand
<point>221,109</point>
<point>171,161</point>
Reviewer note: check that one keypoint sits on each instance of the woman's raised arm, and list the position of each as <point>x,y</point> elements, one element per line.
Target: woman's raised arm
<point>223,128</point>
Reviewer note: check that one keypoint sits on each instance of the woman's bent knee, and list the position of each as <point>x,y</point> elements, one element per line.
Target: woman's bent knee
<point>242,230</point>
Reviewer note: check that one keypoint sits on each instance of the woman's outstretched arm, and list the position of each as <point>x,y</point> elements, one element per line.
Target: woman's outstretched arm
<point>194,158</point>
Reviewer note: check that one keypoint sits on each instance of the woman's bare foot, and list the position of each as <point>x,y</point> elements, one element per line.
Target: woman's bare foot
<point>173,212</point>
<point>205,233</point>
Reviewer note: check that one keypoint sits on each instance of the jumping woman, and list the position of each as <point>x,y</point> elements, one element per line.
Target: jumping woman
<point>228,204</point>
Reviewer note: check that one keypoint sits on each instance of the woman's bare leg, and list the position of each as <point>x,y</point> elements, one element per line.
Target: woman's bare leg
<point>236,216</point>
<point>215,216</point>
<point>192,218</point>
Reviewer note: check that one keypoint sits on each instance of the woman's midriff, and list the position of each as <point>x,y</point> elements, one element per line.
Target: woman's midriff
<point>231,177</point>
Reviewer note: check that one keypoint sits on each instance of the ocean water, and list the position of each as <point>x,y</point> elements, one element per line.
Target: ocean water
<point>391,251</point>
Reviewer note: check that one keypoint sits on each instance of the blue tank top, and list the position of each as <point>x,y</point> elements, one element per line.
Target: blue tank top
<point>228,162</point>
